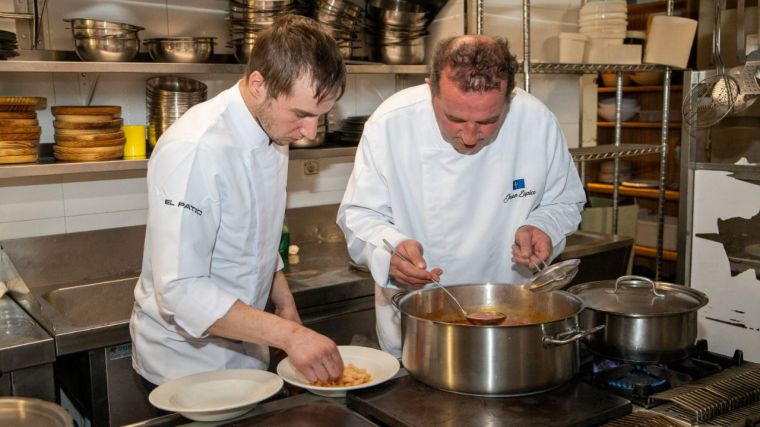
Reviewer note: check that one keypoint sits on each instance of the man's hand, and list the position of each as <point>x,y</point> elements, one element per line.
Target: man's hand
<point>408,274</point>
<point>314,355</point>
<point>532,246</point>
<point>282,298</point>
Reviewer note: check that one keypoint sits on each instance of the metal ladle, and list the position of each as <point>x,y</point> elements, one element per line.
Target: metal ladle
<point>476,317</point>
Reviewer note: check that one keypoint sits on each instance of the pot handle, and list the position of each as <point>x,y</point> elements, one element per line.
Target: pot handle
<point>396,298</point>
<point>636,280</point>
<point>547,341</point>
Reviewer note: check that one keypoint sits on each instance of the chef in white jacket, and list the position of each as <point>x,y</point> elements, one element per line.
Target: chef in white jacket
<point>216,193</point>
<point>466,175</point>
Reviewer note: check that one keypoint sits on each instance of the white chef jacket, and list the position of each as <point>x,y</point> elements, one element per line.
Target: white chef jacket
<point>409,183</point>
<point>216,193</point>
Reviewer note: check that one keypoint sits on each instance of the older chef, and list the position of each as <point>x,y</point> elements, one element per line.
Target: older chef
<point>216,190</point>
<point>467,167</point>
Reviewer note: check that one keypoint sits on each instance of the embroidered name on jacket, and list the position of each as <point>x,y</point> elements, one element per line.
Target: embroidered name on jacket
<point>184,205</point>
<point>518,184</point>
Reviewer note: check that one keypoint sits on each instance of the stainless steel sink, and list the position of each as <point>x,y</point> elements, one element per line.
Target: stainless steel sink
<point>83,316</point>
<point>94,304</point>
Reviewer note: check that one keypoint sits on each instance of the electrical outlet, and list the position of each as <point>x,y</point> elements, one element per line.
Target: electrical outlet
<point>311,167</point>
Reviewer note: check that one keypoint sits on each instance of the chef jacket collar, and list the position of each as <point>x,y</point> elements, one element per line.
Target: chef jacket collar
<point>246,126</point>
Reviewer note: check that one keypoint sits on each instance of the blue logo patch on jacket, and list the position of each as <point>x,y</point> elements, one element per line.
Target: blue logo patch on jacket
<point>518,184</point>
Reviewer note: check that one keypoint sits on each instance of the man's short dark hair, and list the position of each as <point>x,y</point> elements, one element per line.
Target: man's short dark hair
<point>474,63</point>
<point>296,46</point>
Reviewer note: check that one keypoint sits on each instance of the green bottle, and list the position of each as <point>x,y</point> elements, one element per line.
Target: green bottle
<point>284,241</point>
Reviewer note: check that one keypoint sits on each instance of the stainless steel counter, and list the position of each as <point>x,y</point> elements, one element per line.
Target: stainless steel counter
<point>27,353</point>
<point>22,342</point>
<point>323,275</point>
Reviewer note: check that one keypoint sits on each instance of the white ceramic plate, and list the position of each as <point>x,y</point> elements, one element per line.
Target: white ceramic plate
<point>381,365</point>
<point>216,395</point>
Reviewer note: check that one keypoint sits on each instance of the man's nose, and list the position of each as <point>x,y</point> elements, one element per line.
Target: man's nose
<point>470,134</point>
<point>309,128</point>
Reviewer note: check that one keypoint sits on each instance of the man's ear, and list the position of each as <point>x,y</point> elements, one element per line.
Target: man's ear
<point>256,85</point>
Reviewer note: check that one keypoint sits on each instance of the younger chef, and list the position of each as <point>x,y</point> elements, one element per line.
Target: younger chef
<point>464,169</point>
<point>216,194</point>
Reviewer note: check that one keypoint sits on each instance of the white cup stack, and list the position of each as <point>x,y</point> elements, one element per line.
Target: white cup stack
<point>604,22</point>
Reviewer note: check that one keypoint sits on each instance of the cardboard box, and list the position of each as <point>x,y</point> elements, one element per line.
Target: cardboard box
<point>646,231</point>
<point>598,217</point>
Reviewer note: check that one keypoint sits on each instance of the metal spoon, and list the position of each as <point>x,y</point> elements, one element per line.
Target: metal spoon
<point>476,317</point>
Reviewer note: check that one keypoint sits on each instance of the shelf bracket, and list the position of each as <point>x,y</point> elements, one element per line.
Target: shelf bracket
<point>87,84</point>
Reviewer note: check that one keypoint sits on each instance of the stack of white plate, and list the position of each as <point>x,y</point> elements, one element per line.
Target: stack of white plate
<point>604,21</point>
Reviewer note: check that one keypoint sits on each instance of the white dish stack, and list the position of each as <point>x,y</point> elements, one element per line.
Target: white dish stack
<point>605,22</point>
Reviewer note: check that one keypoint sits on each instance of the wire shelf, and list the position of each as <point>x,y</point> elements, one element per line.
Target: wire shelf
<point>553,68</point>
<point>603,152</point>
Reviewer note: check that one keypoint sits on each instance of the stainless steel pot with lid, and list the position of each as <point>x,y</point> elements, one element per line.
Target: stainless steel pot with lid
<point>646,322</point>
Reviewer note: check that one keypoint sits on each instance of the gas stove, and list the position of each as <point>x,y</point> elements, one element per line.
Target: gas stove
<point>639,382</point>
<point>604,391</point>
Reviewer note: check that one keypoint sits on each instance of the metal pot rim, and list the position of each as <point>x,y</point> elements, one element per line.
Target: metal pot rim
<point>404,295</point>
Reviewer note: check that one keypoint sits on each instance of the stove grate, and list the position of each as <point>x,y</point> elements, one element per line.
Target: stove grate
<point>716,395</point>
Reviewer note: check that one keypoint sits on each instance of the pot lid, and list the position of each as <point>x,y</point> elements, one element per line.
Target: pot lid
<point>639,296</point>
<point>555,276</point>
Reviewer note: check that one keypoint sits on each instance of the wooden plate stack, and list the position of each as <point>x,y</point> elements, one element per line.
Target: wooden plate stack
<point>88,134</point>
<point>19,128</point>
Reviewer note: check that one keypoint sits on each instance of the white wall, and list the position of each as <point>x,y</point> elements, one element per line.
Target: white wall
<point>52,205</point>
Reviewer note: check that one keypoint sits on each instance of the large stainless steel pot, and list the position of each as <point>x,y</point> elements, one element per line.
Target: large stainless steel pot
<point>538,351</point>
<point>645,322</point>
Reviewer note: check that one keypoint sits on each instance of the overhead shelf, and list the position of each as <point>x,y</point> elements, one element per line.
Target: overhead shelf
<point>66,62</point>
<point>640,125</point>
<point>602,152</point>
<point>353,67</point>
<point>62,168</point>
<point>613,89</point>
<point>42,169</point>
<point>651,252</point>
<point>552,68</point>
<point>648,193</point>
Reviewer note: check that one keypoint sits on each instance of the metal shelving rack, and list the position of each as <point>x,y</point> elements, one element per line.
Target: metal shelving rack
<point>617,150</point>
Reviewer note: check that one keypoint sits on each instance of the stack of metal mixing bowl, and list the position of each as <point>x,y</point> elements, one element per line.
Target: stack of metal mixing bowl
<point>168,98</point>
<point>398,28</point>
<point>98,40</point>
<point>248,18</point>
<point>343,20</point>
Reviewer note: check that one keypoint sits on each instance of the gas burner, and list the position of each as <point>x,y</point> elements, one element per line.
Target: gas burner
<point>641,376</point>
<point>634,381</point>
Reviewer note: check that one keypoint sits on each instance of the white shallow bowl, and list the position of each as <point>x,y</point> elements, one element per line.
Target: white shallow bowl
<point>626,113</point>
<point>587,15</point>
<point>381,365</point>
<point>216,395</point>
<point>605,6</point>
<point>629,102</point>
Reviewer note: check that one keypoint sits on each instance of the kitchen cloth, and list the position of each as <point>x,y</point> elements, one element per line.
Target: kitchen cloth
<point>9,278</point>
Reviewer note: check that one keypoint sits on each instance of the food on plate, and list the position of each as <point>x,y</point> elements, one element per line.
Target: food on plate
<point>352,376</point>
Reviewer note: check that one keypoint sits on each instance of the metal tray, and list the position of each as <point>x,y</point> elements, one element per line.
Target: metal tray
<point>29,412</point>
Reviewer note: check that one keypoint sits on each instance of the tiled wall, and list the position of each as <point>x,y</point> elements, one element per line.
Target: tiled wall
<point>52,205</point>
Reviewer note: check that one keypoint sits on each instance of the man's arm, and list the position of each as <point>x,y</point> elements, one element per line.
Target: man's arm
<point>314,355</point>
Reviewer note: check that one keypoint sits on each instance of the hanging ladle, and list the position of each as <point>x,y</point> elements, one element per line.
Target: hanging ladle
<point>485,317</point>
